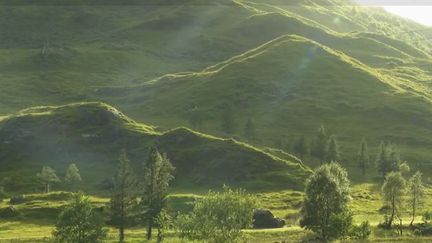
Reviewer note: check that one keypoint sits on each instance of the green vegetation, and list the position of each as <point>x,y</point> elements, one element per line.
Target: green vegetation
<point>157,175</point>
<point>218,217</point>
<point>256,78</point>
<point>79,223</point>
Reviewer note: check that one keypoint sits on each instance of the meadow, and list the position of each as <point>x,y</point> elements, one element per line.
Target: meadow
<point>39,212</point>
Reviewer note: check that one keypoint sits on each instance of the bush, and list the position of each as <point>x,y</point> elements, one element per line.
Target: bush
<point>423,229</point>
<point>3,194</point>
<point>9,212</point>
<point>218,217</point>
<point>427,216</point>
<point>80,222</point>
<point>361,232</point>
<point>18,199</point>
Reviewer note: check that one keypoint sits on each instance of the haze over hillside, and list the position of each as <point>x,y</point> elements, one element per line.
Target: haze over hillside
<point>290,67</point>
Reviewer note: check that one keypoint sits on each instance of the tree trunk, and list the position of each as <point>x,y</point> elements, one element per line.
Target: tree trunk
<point>47,188</point>
<point>364,170</point>
<point>121,234</point>
<point>390,222</point>
<point>413,210</point>
<point>149,230</point>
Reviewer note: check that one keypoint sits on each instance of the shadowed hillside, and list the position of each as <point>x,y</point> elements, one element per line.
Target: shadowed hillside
<point>93,135</point>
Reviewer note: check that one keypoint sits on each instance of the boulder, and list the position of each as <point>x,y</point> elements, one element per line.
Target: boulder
<point>264,219</point>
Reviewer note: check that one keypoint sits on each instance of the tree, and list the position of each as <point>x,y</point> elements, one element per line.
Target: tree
<point>332,150</point>
<point>363,157</point>
<point>157,176</point>
<point>73,177</point>
<point>228,121</point>
<point>79,222</point>
<point>416,191</point>
<point>300,147</point>
<point>218,217</point>
<point>48,176</point>
<point>319,144</point>
<point>393,191</point>
<point>121,195</point>
<point>325,202</point>
<point>249,130</point>
<point>388,159</point>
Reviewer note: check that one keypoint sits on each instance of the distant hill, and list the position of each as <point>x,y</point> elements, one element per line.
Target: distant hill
<point>92,135</point>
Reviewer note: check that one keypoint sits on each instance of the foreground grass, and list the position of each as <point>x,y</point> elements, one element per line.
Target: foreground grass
<point>39,212</point>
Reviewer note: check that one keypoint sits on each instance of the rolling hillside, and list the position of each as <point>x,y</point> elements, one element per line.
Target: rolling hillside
<point>289,65</point>
<point>93,135</point>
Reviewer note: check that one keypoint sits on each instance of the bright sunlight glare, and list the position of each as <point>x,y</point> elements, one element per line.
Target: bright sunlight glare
<point>420,14</point>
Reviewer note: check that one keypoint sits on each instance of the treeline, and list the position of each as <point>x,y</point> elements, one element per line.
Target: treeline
<point>139,197</point>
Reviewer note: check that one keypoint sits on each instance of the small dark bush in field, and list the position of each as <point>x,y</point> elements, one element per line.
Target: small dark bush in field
<point>423,229</point>
<point>427,216</point>
<point>106,184</point>
<point>264,219</point>
<point>18,199</point>
<point>9,212</point>
<point>362,231</point>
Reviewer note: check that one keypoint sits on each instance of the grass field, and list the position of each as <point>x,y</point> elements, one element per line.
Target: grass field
<point>39,212</point>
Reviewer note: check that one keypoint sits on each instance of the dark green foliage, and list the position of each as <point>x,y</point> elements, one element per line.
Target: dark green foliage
<point>300,147</point>
<point>363,157</point>
<point>47,177</point>
<point>325,204</point>
<point>122,196</point>
<point>228,123</point>
<point>388,159</point>
<point>18,199</point>
<point>80,222</point>
<point>9,212</point>
<point>72,177</point>
<point>157,174</point>
<point>319,145</point>
<point>332,150</point>
<point>218,217</point>
<point>362,231</point>
<point>249,130</point>
<point>3,194</point>
<point>393,191</point>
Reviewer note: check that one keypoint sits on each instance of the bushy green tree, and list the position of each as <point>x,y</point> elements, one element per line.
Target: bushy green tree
<point>388,159</point>
<point>325,206</point>
<point>79,222</point>
<point>157,175</point>
<point>48,176</point>
<point>416,193</point>
<point>363,157</point>
<point>300,147</point>
<point>393,191</point>
<point>249,130</point>
<point>319,145</point>
<point>72,177</point>
<point>332,150</point>
<point>228,124</point>
<point>122,195</point>
<point>218,217</point>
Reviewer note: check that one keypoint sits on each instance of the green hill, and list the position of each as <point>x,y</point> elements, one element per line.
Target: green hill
<point>289,65</point>
<point>93,135</point>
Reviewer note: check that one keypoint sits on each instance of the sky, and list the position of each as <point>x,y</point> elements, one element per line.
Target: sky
<point>419,11</point>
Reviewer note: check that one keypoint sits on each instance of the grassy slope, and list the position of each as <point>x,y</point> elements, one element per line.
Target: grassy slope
<point>290,86</point>
<point>371,85</point>
<point>93,134</point>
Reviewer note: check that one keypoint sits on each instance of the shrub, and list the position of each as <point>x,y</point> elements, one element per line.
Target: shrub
<point>18,199</point>
<point>80,223</point>
<point>218,217</point>
<point>9,212</point>
<point>362,231</point>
